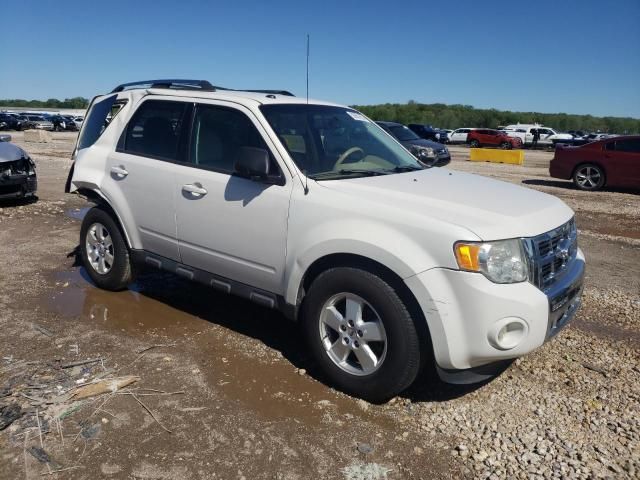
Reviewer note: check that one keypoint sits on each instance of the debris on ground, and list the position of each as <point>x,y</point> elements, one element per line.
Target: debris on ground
<point>9,414</point>
<point>109,385</point>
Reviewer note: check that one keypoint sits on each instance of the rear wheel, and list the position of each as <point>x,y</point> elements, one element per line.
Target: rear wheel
<point>361,334</point>
<point>104,252</point>
<point>588,177</point>
<point>474,143</point>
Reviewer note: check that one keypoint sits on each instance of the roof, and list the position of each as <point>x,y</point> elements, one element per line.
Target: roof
<point>205,90</point>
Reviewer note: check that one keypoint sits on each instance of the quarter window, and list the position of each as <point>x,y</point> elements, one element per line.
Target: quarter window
<point>155,129</point>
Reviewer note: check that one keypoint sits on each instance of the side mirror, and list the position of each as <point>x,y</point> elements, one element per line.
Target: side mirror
<point>252,162</point>
<point>5,137</point>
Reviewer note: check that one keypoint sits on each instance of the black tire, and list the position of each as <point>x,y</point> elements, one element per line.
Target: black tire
<point>474,144</point>
<point>401,362</point>
<point>506,146</point>
<point>120,272</point>
<point>589,177</point>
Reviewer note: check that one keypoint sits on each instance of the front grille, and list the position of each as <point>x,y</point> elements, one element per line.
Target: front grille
<point>552,253</point>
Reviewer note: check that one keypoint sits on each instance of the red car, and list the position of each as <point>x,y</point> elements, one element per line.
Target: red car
<point>613,162</point>
<point>492,138</point>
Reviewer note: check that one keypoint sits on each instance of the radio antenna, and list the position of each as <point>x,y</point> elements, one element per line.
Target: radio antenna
<point>307,69</point>
<point>306,177</point>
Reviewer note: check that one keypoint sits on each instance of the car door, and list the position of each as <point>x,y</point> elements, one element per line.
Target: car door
<point>140,172</point>
<point>545,135</point>
<point>622,162</point>
<point>228,225</point>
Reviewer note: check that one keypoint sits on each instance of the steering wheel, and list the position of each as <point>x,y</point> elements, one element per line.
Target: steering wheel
<point>346,155</point>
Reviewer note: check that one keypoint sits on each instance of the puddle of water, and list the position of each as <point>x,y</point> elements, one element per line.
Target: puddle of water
<point>77,213</point>
<point>163,303</point>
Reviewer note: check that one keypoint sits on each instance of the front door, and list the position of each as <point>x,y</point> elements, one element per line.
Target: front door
<point>228,225</point>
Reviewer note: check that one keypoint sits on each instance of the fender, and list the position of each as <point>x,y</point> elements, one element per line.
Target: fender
<point>392,249</point>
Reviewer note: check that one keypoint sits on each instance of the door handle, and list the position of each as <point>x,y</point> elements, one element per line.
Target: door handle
<point>194,189</point>
<point>119,171</point>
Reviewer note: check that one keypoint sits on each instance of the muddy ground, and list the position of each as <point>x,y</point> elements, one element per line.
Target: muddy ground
<point>226,389</point>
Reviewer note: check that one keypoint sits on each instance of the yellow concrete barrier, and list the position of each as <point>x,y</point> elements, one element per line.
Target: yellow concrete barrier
<point>493,155</point>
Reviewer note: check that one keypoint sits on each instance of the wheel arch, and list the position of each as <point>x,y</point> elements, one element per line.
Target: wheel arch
<point>336,260</point>
<point>100,200</point>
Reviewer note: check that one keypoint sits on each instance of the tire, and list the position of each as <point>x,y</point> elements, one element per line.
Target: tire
<point>474,144</point>
<point>589,177</point>
<point>506,146</point>
<point>397,356</point>
<point>104,252</point>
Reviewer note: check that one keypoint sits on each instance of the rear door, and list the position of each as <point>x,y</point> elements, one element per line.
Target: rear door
<point>141,172</point>
<point>622,162</point>
<point>228,225</point>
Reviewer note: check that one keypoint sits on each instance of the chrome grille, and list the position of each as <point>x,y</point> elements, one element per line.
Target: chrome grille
<point>551,253</point>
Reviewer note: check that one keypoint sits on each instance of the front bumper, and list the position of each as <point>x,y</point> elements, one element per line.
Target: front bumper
<point>18,186</point>
<point>465,313</point>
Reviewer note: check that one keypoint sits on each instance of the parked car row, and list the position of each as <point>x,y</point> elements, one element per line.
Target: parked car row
<point>40,121</point>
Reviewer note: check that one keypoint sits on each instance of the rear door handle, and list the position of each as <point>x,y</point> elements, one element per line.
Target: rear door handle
<point>119,171</point>
<point>195,189</point>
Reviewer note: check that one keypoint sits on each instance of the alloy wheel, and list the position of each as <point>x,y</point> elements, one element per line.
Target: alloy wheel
<point>352,334</point>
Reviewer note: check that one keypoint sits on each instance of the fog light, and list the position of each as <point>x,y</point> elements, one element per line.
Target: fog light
<point>508,333</point>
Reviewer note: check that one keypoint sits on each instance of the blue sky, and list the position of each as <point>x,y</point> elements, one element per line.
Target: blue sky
<point>549,56</point>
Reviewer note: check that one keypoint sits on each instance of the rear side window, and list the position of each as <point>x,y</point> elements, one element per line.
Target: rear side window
<point>155,130</point>
<point>98,119</point>
<point>632,146</point>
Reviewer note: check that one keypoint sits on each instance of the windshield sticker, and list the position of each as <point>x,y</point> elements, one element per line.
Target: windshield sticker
<point>357,116</point>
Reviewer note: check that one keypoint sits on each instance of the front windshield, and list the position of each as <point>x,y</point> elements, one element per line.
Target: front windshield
<point>402,133</point>
<point>335,142</point>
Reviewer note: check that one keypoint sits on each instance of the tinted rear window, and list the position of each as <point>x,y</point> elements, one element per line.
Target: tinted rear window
<point>154,130</point>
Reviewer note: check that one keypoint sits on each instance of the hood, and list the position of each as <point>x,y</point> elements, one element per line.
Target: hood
<point>10,152</point>
<point>491,209</point>
<point>423,142</point>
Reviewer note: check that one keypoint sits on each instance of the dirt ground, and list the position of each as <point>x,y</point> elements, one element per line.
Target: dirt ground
<point>226,389</point>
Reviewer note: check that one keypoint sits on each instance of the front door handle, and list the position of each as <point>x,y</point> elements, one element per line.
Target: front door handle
<point>120,171</point>
<point>194,189</point>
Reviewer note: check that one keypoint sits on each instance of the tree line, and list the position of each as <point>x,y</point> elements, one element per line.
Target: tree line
<point>457,116</point>
<point>75,102</point>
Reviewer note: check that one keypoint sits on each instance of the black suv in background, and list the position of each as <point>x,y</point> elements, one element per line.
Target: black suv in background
<point>427,132</point>
<point>427,151</point>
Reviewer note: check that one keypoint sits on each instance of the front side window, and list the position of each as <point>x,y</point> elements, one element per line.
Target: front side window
<point>154,130</point>
<point>329,142</point>
<point>218,135</point>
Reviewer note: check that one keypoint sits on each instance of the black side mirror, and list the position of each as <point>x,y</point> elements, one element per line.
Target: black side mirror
<point>252,162</point>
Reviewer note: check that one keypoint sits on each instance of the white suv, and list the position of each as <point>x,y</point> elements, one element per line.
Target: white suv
<point>312,209</point>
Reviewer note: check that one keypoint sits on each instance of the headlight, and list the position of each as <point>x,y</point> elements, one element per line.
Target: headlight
<point>501,262</point>
<point>423,152</point>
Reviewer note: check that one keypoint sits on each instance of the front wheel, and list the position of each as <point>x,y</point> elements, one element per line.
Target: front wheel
<point>588,177</point>
<point>104,251</point>
<point>361,334</point>
<point>475,143</point>
<point>506,146</point>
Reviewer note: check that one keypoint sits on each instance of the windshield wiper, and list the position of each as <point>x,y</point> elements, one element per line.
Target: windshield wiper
<point>405,168</point>
<point>345,171</point>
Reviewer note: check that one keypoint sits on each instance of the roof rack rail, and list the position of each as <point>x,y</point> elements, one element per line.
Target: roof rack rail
<point>273,92</point>
<point>168,83</point>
